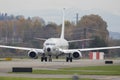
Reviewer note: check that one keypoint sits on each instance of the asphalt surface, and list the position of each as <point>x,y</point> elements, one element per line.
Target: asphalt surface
<point>6,66</point>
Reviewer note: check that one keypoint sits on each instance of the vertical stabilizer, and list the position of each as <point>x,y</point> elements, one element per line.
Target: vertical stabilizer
<point>63,26</point>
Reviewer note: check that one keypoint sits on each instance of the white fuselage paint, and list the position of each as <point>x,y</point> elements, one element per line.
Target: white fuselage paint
<point>55,44</point>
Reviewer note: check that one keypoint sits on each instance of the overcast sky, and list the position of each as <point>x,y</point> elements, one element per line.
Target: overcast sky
<point>12,6</point>
<point>32,7</point>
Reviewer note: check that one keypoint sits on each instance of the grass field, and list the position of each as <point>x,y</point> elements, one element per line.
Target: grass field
<point>91,70</point>
<point>13,78</point>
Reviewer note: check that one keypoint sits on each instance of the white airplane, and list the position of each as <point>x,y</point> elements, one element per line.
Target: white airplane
<point>57,47</point>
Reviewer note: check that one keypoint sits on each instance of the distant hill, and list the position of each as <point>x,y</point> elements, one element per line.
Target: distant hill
<point>114,35</point>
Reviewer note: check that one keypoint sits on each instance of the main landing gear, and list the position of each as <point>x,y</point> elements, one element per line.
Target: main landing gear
<point>44,58</point>
<point>69,58</point>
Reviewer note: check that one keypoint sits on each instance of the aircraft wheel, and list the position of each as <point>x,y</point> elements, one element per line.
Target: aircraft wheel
<point>56,57</point>
<point>70,59</point>
<point>67,59</point>
<point>45,59</point>
<point>50,59</point>
<point>42,59</point>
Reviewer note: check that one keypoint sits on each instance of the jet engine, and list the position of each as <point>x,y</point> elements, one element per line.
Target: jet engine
<point>76,55</point>
<point>33,54</point>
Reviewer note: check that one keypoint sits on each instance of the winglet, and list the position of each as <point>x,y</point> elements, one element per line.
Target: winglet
<point>63,26</point>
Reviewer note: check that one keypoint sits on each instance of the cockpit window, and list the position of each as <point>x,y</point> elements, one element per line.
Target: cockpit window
<point>50,44</point>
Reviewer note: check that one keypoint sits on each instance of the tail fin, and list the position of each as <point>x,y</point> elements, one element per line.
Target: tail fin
<point>63,27</point>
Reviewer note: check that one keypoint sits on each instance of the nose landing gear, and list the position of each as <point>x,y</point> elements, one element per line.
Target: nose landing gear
<point>44,58</point>
<point>50,58</point>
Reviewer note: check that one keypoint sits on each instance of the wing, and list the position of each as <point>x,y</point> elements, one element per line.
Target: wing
<point>100,48</point>
<point>76,53</point>
<point>90,49</point>
<point>21,48</point>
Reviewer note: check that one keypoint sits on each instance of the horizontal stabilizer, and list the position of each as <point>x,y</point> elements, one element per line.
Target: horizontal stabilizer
<point>80,40</point>
<point>42,39</point>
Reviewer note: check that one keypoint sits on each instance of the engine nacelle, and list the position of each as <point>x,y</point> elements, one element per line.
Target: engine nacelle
<point>76,55</point>
<point>33,54</point>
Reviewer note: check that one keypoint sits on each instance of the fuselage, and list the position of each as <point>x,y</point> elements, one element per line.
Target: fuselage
<point>51,46</point>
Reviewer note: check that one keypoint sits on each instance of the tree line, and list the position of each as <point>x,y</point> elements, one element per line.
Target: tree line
<point>19,31</point>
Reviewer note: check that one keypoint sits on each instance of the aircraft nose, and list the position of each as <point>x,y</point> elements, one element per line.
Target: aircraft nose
<point>48,49</point>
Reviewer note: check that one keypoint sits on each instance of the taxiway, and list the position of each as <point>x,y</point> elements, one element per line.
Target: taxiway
<point>6,66</point>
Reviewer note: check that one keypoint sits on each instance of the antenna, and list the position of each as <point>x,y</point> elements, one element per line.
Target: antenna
<point>63,26</point>
<point>77,16</point>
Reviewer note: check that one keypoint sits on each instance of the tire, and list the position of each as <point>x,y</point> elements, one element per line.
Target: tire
<point>67,59</point>
<point>56,57</point>
<point>45,59</point>
<point>70,59</point>
<point>42,59</point>
<point>50,60</point>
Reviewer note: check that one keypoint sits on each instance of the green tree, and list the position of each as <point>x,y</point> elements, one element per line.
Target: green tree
<point>95,25</point>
